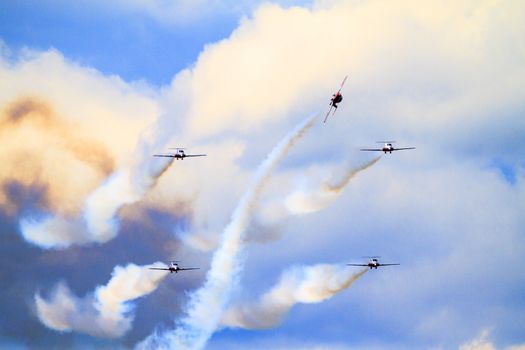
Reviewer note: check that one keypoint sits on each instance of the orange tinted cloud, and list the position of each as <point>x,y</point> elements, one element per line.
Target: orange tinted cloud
<point>37,147</point>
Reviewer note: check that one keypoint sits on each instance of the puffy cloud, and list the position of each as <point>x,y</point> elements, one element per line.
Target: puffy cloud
<point>483,342</point>
<point>65,140</point>
<point>413,58</point>
<point>105,313</point>
<point>98,106</point>
<point>38,147</point>
<point>480,343</point>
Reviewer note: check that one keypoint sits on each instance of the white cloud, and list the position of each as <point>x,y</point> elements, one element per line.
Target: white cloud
<point>482,342</point>
<point>446,76</point>
<point>479,343</point>
<point>85,138</point>
<point>60,122</point>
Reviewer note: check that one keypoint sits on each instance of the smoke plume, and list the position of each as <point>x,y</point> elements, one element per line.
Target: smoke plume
<point>40,149</point>
<point>298,284</point>
<point>313,200</point>
<point>98,220</point>
<point>124,187</point>
<point>207,304</point>
<point>272,216</point>
<point>107,312</point>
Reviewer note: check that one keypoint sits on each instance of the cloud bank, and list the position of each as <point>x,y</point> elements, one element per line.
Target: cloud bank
<point>38,148</point>
<point>77,140</point>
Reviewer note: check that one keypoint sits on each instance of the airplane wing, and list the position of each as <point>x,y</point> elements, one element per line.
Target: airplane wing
<point>164,155</point>
<point>327,114</point>
<point>402,148</point>
<point>157,268</point>
<point>371,149</point>
<point>194,155</point>
<point>357,264</point>
<point>188,268</point>
<point>343,83</point>
<point>388,264</point>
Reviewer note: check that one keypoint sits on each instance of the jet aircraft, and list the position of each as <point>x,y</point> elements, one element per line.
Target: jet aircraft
<point>334,101</point>
<point>174,267</point>
<point>387,147</point>
<point>373,263</point>
<point>179,154</point>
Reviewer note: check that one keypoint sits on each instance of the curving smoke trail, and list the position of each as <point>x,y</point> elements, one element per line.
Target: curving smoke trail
<point>104,313</point>
<point>98,221</point>
<point>270,219</point>
<point>208,303</point>
<point>337,185</point>
<point>303,201</point>
<point>313,200</point>
<point>124,187</point>
<point>298,284</point>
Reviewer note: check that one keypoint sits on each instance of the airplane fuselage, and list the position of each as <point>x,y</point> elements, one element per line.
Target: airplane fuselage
<point>180,155</point>
<point>388,148</point>
<point>373,264</point>
<point>336,99</point>
<point>174,268</point>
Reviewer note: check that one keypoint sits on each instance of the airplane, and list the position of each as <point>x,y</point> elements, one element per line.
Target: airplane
<point>387,148</point>
<point>179,154</point>
<point>334,101</point>
<point>373,263</point>
<point>174,267</point>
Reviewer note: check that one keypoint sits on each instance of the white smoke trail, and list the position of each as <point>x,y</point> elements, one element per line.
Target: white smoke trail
<point>302,202</point>
<point>309,199</point>
<point>299,284</point>
<point>98,220</point>
<point>207,304</point>
<point>104,313</point>
<point>124,187</point>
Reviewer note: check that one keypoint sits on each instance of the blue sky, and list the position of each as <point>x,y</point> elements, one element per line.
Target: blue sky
<point>89,90</point>
<point>130,45</point>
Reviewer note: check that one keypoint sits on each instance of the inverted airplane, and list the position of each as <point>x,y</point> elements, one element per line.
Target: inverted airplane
<point>179,154</point>
<point>174,267</point>
<point>334,101</point>
<point>373,263</point>
<point>387,148</point>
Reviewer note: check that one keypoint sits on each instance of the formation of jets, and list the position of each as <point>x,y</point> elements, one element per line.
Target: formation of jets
<point>373,262</point>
